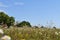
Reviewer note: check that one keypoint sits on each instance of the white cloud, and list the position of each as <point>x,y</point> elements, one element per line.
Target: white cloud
<point>3,5</point>
<point>19,3</point>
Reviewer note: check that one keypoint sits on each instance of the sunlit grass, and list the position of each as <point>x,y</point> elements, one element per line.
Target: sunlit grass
<point>32,33</point>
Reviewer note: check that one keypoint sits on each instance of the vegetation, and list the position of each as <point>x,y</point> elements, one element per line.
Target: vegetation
<point>5,19</point>
<point>24,30</point>
<point>22,33</point>
<point>9,21</point>
<point>23,24</point>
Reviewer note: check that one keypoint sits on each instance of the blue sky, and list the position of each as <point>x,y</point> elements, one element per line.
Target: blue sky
<point>34,11</point>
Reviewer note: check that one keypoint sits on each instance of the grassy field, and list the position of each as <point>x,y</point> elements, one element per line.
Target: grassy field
<point>33,33</point>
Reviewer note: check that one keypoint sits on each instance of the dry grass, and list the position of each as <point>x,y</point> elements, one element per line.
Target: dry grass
<point>33,33</point>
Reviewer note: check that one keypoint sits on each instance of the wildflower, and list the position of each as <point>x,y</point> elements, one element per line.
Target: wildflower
<point>59,32</point>
<point>56,33</point>
<point>42,30</point>
<point>6,37</point>
<point>1,31</point>
<point>40,33</point>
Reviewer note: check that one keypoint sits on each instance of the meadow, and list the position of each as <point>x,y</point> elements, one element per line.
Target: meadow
<point>26,33</point>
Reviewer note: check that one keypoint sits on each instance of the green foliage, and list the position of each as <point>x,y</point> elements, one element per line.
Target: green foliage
<point>24,23</point>
<point>54,27</point>
<point>42,26</point>
<point>5,19</point>
<point>11,21</point>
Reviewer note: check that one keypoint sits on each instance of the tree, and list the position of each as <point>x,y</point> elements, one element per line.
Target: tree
<point>24,23</point>
<point>36,26</point>
<point>54,27</point>
<point>5,19</point>
<point>10,22</point>
<point>42,26</point>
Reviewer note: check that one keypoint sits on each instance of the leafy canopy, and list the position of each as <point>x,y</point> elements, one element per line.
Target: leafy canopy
<point>24,23</point>
<point>5,19</point>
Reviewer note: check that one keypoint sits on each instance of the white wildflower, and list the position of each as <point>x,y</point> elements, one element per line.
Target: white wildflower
<point>40,33</point>
<point>42,30</point>
<point>1,31</point>
<point>6,37</point>
<point>59,32</point>
<point>56,33</point>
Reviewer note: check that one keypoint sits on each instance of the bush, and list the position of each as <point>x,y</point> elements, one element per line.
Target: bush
<point>23,23</point>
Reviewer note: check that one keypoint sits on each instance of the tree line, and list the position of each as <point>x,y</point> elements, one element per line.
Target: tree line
<point>8,21</point>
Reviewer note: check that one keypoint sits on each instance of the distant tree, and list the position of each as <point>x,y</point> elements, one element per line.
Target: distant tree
<point>36,26</point>
<point>10,22</point>
<point>54,27</point>
<point>5,19</point>
<point>42,26</point>
<point>24,23</point>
